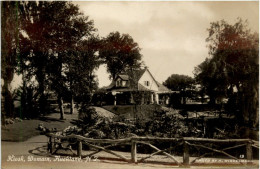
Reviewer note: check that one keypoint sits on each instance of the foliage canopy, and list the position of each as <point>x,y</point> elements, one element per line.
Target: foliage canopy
<point>233,68</point>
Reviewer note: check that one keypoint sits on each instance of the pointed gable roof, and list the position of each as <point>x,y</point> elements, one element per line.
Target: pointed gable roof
<point>138,73</point>
<point>123,77</point>
<point>151,76</point>
<point>128,75</point>
<point>135,74</point>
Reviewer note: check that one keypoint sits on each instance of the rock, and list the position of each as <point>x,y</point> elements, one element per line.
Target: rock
<point>9,121</point>
<point>18,119</point>
<point>41,127</point>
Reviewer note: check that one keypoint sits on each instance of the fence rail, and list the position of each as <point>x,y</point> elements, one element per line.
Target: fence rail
<point>57,142</point>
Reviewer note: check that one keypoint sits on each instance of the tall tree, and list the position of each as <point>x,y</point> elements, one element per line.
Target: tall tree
<point>79,70</point>
<point>213,79</point>
<point>233,65</point>
<point>53,28</point>
<point>120,52</point>
<point>9,47</point>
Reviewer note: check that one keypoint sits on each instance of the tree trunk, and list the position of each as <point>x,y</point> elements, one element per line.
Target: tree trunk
<point>250,105</point>
<point>245,108</point>
<point>8,100</point>
<point>254,106</point>
<point>42,100</point>
<point>24,101</point>
<point>3,113</point>
<point>212,100</point>
<point>212,96</point>
<point>61,107</point>
<point>72,105</point>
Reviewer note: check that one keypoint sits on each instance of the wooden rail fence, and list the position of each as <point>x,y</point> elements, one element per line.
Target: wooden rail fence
<point>57,142</point>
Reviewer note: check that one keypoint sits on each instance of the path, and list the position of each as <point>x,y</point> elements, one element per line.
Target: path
<point>35,147</point>
<point>104,113</point>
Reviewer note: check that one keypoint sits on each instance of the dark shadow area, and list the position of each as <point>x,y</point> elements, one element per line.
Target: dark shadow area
<point>65,112</point>
<point>50,119</point>
<point>75,122</point>
<point>40,151</point>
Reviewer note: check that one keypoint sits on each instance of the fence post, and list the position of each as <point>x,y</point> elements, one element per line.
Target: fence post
<point>249,152</point>
<point>50,145</point>
<point>79,150</point>
<point>133,152</point>
<point>186,154</point>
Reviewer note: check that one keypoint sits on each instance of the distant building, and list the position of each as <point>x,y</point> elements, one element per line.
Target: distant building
<point>133,81</point>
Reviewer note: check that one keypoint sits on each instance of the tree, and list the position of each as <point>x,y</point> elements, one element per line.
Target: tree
<point>120,52</point>
<point>181,83</point>
<point>79,70</point>
<point>178,82</point>
<point>212,78</point>
<point>9,47</point>
<point>52,28</point>
<point>233,66</point>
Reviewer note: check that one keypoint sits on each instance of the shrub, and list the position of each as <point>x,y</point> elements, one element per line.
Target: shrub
<point>88,116</point>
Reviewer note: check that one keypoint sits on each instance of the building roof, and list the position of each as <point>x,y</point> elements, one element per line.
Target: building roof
<point>142,88</point>
<point>124,77</point>
<point>162,88</point>
<point>135,74</point>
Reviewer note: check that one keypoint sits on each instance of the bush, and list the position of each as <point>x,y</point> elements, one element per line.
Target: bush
<point>88,116</point>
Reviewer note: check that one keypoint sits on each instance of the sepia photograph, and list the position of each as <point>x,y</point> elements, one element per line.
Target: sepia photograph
<point>129,84</point>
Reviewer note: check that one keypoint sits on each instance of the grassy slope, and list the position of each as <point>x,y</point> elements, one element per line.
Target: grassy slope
<point>128,111</point>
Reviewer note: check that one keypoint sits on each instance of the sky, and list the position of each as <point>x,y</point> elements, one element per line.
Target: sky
<point>171,34</point>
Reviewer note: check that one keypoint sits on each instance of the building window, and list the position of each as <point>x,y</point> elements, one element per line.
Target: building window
<point>123,83</point>
<point>146,83</point>
<point>118,83</point>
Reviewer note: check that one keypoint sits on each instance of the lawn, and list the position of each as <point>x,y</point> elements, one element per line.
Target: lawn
<point>21,131</point>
